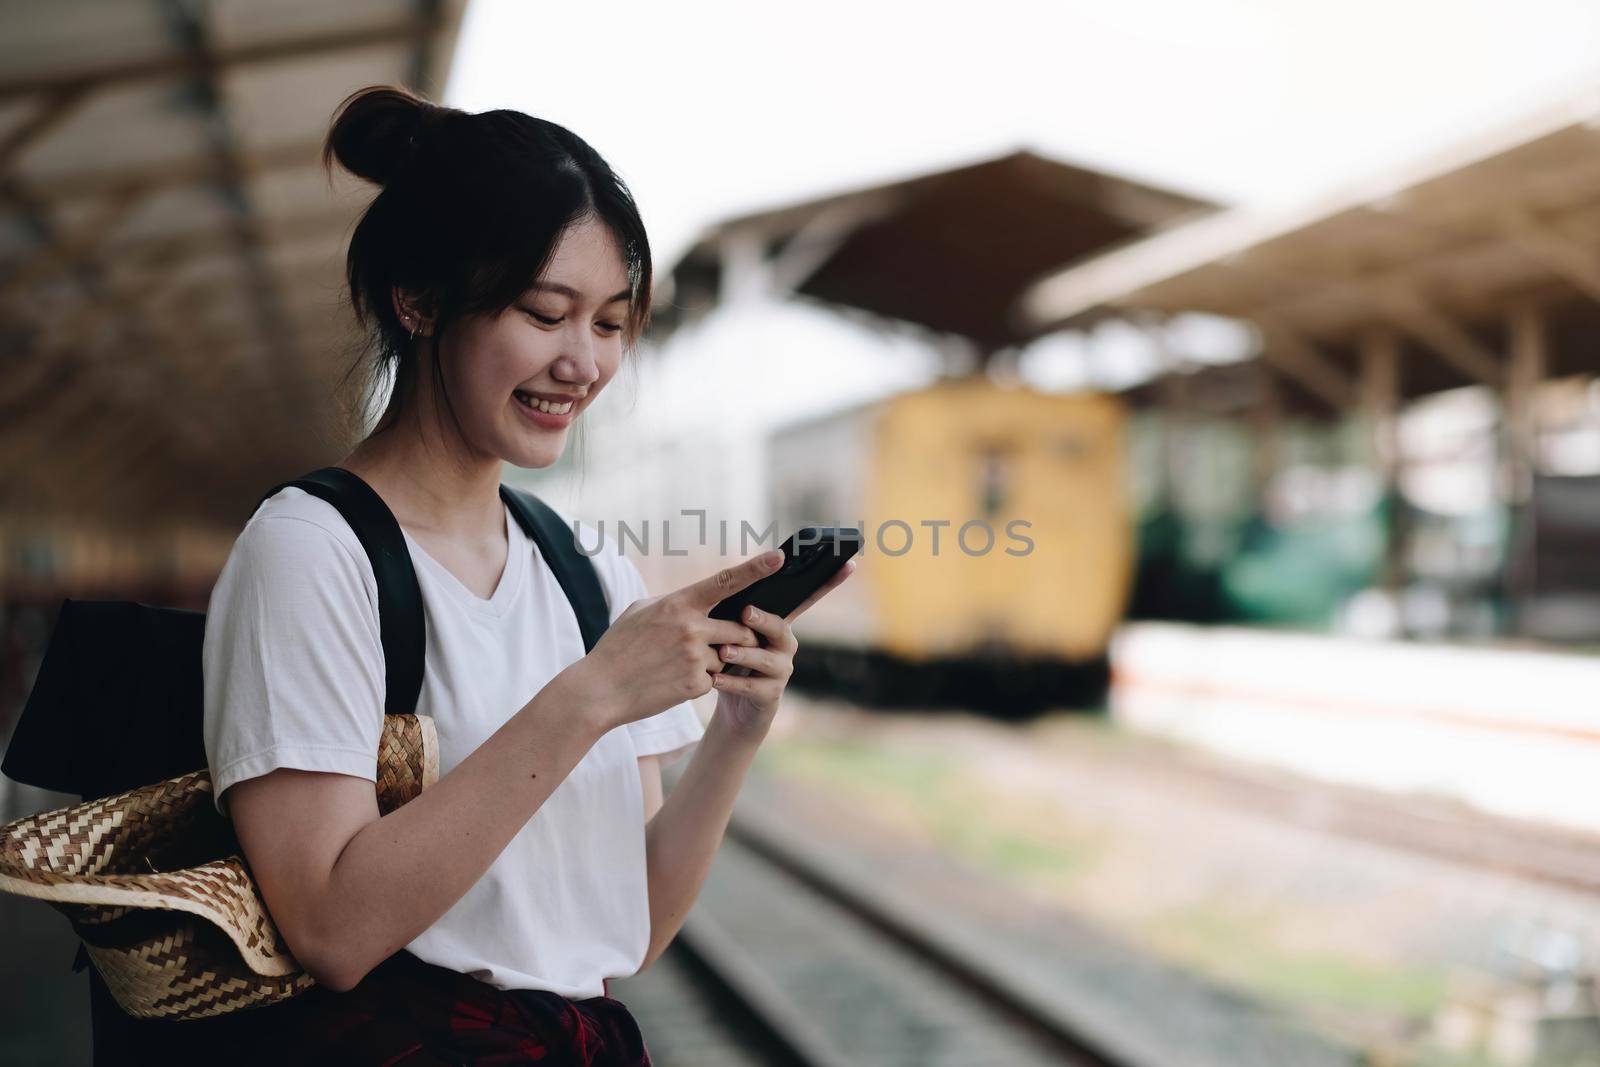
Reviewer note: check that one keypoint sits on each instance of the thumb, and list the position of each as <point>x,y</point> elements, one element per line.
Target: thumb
<point>706,593</point>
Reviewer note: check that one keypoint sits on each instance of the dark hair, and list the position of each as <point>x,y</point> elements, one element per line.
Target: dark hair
<point>470,213</point>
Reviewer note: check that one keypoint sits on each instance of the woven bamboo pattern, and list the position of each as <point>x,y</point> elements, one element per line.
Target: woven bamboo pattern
<point>408,759</point>
<point>154,882</point>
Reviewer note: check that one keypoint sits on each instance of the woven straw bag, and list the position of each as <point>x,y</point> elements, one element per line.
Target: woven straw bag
<point>154,882</point>
<point>152,878</point>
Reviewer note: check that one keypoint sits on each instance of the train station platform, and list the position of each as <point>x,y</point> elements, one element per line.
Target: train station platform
<point>1504,729</point>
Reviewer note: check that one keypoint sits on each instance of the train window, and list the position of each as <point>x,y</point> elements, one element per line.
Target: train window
<point>1073,446</point>
<point>996,467</point>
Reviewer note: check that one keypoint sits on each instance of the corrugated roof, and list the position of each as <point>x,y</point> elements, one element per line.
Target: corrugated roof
<point>950,250</point>
<point>1438,254</point>
<point>170,250</point>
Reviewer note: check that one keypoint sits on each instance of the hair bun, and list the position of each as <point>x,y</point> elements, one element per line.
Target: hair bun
<point>375,131</point>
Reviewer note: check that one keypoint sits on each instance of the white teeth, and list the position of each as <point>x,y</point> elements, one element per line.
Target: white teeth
<point>544,405</point>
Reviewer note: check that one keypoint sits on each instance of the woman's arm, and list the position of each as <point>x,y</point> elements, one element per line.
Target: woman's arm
<point>650,785</point>
<point>348,888</point>
<point>682,839</point>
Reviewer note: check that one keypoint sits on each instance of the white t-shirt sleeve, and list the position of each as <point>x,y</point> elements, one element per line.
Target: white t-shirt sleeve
<point>293,659</point>
<point>671,734</point>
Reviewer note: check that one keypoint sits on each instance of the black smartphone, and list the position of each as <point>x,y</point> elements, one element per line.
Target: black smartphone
<point>811,556</point>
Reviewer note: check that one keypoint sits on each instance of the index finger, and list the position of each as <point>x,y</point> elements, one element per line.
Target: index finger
<point>707,592</point>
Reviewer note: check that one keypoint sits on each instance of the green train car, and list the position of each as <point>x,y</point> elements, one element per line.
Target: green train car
<point>999,546</point>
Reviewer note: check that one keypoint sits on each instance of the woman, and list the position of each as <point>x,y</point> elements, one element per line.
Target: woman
<point>505,274</point>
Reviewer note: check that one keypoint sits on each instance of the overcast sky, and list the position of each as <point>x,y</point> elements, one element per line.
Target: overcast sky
<point>715,109</point>
<point>711,109</point>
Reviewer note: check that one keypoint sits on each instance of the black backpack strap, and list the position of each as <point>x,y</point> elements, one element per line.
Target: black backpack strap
<point>400,618</point>
<point>558,544</point>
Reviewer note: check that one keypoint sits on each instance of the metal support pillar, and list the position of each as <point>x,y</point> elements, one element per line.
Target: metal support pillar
<point>1519,449</point>
<point>1380,410</point>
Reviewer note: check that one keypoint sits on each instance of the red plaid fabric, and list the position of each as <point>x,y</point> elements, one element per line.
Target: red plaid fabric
<point>410,1013</point>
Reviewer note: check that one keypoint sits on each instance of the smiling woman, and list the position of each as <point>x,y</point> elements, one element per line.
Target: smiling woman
<point>503,273</point>
<point>481,215</point>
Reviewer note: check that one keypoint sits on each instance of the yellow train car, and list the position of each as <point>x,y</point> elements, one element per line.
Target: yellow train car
<point>999,544</point>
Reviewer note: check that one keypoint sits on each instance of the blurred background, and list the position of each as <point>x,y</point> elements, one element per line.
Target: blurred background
<point>1271,328</point>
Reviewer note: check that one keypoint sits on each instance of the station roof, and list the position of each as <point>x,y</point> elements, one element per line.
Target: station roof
<point>1437,254</point>
<point>171,252</point>
<point>950,251</point>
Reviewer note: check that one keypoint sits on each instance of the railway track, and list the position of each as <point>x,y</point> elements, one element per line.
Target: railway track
<point>825,959</point>
<point>814,961</point>
<point>835,974</point>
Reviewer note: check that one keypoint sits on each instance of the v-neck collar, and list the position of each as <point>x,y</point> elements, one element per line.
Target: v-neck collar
<point>518,549</point>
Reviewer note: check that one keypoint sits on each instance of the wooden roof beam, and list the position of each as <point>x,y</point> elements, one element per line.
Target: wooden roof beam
<point>163,253</point>
<point>175,63</point>
<point>51,112</point>
<point>1301,360</point>
<point>191,31</point>
<point>1572,260</point>
<point>76,249</point>
<point>78,357</point>
<point>182,172</point>
<point>429,19</point>
<point>133,332</point>
<point>820,236</point>
<point>43,434</point>
<point>78,374</point>
<point>33,390</point>
<point>1412,313</point>
<point>58,334</point>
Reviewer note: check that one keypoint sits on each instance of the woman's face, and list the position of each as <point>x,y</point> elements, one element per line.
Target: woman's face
<point>559,344</point>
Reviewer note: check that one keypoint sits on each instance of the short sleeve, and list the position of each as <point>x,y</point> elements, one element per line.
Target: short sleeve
<point>671,734</point>
<point>292,657</point>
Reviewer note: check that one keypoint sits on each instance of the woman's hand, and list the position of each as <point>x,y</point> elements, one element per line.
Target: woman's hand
<point>749,689</point>
<point>662,650</point>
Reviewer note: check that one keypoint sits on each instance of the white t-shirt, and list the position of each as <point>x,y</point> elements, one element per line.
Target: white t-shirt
<point>294,677</point>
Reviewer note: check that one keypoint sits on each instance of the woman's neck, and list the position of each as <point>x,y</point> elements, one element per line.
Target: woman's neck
<point>430,488</point>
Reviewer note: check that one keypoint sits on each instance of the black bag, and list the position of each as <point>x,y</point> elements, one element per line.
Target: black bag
<point>118,703</point>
